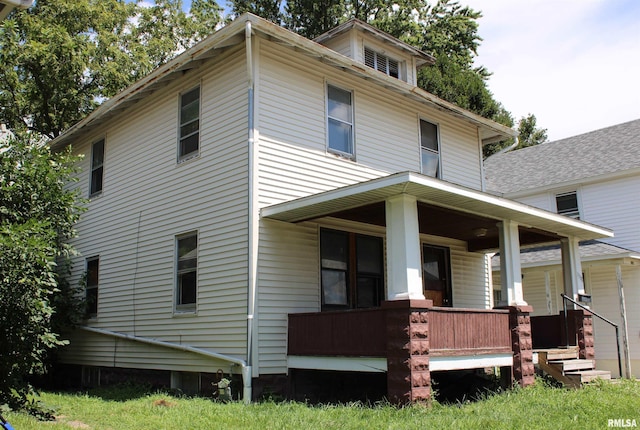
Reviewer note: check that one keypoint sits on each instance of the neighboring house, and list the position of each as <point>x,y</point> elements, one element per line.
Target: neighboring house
<point>6,6</point>
<point>270,206</point>
<point>593,177</point>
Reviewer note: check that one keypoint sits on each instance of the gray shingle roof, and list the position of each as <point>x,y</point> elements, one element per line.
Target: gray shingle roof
<point>590,250</point>
<point>608,150</point>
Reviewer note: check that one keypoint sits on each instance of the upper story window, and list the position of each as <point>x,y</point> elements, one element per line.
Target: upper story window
<point>186,272</point>
<point>340,120</point>
<point>429,149</point>
<point>189,124</point>
<point>381,63</point>
<point>97,167</point>
<point>91,287</point>
<point>567,204</point>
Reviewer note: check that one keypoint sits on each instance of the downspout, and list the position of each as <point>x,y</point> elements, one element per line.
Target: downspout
<point>161,343</point>
<point>247,372</point>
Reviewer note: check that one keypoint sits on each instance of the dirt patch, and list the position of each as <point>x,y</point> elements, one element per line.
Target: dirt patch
<point>73,424</point>
<point>164,403</point>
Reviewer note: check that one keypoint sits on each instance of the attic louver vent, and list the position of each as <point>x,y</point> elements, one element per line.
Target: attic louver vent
<point>381,63</point>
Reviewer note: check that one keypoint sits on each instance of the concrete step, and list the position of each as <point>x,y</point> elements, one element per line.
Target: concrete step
<point>584,376</point>
<point>571,365</point>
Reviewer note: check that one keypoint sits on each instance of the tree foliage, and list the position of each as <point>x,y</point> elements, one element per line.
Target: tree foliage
<point>60,59</point>
<point>37,214</point>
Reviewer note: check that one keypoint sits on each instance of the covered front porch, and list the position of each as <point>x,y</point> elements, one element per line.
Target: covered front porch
<point>404,334</point>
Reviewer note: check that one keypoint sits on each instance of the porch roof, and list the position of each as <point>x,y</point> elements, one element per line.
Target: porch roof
<point>451,211</point>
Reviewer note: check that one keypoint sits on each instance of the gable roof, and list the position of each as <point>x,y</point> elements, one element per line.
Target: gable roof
<point>422,58</point>
<point>234,34</point>
<point>601,152</point>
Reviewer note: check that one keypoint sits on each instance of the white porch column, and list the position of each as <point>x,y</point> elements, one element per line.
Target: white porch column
<point>510,269</point>
<point>571,268</point>
<point>404,266</point>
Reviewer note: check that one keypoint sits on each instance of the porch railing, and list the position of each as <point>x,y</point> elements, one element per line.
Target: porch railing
<point>566,298</point>
<point>363,332</point>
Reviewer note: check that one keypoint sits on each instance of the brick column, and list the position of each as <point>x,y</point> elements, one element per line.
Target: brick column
<point>583,321</point>
<point>408,375</point>
<point>521,343</point>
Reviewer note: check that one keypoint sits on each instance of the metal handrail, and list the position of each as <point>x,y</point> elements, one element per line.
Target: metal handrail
<point>566,324</point>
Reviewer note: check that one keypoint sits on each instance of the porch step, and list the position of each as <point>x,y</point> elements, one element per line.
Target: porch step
<point>584,376</point>
<point>564,365</point>
<point>560,353</point>
<point>573,364</point>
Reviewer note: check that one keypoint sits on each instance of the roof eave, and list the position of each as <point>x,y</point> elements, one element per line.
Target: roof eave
<point>469,200</point>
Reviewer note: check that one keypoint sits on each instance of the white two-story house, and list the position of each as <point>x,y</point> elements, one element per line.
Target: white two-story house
<point>594,177</point>
<point>278,208</point>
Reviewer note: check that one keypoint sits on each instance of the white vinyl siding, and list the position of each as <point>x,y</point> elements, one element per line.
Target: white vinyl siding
<point>292,116</point>
<point>133,228</point>
<point>614,204</point>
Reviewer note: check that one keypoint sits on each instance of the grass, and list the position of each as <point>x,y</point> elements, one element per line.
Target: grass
<point>538,407</point>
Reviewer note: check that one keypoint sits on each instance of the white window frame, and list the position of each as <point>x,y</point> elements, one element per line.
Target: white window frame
<point>573,214</point>
<point>95,168</point>
<point>95,287</point>
<point>186,156</point>
<point>352,154</point>
<point>185,307</point>
<point>430,150</point>
<point>386,61</point>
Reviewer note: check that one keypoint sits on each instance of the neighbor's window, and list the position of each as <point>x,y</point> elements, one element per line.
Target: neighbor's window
<point>429,149</point>
<point>189,124</point>
<point>567,204</point>
<point>187,272</point>
<point>352,270</point>
<point>91,287</point>
<point>97,167</point>
<point>381,62</point>
<point>340,120</point>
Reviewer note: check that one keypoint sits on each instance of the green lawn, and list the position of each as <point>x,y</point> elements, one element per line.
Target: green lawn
<point>538,407</point>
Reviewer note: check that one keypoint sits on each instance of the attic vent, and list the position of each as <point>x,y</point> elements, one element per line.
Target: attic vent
<point>381,62</point>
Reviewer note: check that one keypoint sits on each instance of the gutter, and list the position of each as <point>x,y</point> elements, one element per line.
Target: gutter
<point>252,228</point>
<point>246,371</point>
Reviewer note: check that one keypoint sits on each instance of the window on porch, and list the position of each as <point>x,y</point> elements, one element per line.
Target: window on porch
<point>352,270</point>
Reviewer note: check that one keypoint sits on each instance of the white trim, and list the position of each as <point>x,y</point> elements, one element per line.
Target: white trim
<point>379,364</point>
<point>470,362</point>
<point>348,364</point>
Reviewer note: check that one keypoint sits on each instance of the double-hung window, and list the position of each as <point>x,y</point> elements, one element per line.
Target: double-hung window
<point>97,167</point>
<point>352,270</point>
<point>189,124</point>
<point>429,149</point>
<point>91,287</point>
<point>567,204</point>
<point>381,62</point>
<point>340,120</point>
<point>186,272</point>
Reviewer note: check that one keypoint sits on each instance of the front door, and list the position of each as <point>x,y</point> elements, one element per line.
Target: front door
<point>436,274</point>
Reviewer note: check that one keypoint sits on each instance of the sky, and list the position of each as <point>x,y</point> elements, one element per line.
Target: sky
<point>574,64</point>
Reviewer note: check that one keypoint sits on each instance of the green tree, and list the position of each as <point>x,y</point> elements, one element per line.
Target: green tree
<point>61,58</point>
<point>529,134</point>
<point>37,214</point>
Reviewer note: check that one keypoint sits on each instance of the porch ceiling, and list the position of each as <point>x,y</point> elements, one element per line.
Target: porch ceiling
<point>444,209</point>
